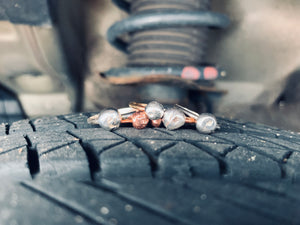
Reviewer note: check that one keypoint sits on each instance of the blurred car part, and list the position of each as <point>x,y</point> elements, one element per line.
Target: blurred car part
<point>163,39</point>
<point>38,46</point>
<point>259,52</point>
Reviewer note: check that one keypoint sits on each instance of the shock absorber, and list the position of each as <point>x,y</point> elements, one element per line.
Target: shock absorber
<point>165,37</point>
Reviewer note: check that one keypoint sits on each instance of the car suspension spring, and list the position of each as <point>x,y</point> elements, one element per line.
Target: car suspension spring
<point>165,37</point>
<point>178,46</point>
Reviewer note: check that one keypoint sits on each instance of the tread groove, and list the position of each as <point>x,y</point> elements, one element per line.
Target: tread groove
<point>243,206</point>
<point>93,160</point>
<point>32,125</point>
<point>230,149</point>
<point>275,193</point>
<point>112,146</point>
<point>162,131</point>
<point>167,147</point>
<point>92,157</point>
<point>153,163</point>
<point>139,202</point>
<point>286,157</point>
<point>68,121</point>
<point>265,190</point>
<point>57,147</point>
<point>9,150</point>
<point>252,149</point>
<point>283,162</point>
<point>271,142</point>
<point>33,161</point>
<point>282,171</point>
<point>28,141</point>
<point>7,126</point>
<point>65,203</point>
<point>222,164</point>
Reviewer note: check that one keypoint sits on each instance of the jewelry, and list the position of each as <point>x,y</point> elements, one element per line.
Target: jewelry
<point>111,118</point>
<point>153,110</point>
<point>205,123</point>
<point>173,119</point>
<point>139,115</point>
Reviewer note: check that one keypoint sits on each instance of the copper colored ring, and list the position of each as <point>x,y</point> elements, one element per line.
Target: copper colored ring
<point>139,120</point>
<point>138,106</point>
<point>190,120</point>
<point>156,123</point>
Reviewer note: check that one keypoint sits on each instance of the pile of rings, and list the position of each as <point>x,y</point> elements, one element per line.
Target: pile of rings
<point>141,114</point>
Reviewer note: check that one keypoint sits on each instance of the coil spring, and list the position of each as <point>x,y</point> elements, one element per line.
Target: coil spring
<point>167,46</point>
<point>164,33</point>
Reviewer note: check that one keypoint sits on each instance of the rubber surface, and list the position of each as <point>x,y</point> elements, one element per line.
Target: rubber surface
<point>61,170</point>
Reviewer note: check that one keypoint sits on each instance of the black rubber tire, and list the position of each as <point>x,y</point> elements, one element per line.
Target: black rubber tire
<point>78,173</point>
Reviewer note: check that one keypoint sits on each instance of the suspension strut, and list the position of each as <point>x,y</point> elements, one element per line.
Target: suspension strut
<point>165,37</point>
